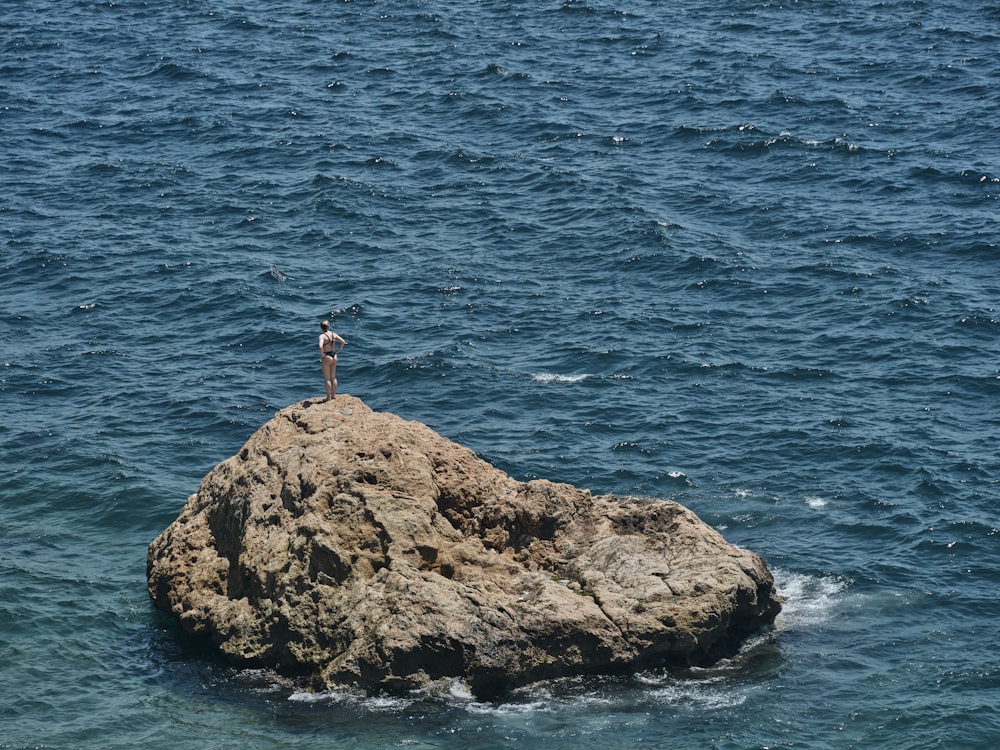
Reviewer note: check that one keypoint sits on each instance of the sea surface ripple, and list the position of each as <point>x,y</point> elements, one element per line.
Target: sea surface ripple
<point>743,256</point>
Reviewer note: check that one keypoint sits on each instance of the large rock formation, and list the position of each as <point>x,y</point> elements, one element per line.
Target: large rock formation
<point>356,548</point>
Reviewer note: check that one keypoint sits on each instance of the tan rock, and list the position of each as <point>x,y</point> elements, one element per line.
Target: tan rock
<point>356,548</point>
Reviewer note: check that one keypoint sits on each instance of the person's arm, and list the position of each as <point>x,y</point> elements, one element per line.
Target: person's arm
<point>341,341</point>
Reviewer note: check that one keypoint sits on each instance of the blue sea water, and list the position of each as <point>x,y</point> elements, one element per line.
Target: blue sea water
<point>742,255</point>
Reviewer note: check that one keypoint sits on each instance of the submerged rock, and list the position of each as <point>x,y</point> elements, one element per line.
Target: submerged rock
<point>359,549</point>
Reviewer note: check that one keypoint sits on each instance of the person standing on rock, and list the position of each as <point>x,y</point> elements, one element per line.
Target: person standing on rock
<point>330,345</point>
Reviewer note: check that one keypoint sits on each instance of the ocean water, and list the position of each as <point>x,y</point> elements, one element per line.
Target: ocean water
<point>742,255</point>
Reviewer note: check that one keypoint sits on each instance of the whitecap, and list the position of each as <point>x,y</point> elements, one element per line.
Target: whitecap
<point>277,274</point>
<point>709,690</point>
<point>816,502</point>
<point>529,706</point>
<point>376,703</point>
<point>809,600</point>
<point>698,696</point>
<point>305,696</point>
<point>549,377</point>
<point>460,690</point>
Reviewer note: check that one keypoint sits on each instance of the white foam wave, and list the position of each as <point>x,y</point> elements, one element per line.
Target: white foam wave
<point>707,692</point>
<point>449,690</point>
<point>545,698</point>
<point>549,377</point>
<point>809,600</point>
<point>530,706</point>
<point>698,695</point>
<point>376,703</point>
<point>303,696</point>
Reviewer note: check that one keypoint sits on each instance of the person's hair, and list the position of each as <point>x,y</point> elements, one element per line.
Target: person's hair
<point>324,325</point>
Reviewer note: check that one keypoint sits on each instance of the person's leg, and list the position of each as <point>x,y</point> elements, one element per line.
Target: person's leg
<point>329,376</point>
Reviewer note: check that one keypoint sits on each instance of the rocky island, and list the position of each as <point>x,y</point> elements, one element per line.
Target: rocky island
<point>350,547</point>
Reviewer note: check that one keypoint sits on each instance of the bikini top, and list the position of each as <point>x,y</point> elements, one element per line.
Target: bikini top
<point>329,340</point>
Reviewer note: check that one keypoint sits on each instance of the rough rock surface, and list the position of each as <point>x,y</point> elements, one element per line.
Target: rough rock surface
<point>356,548</point>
